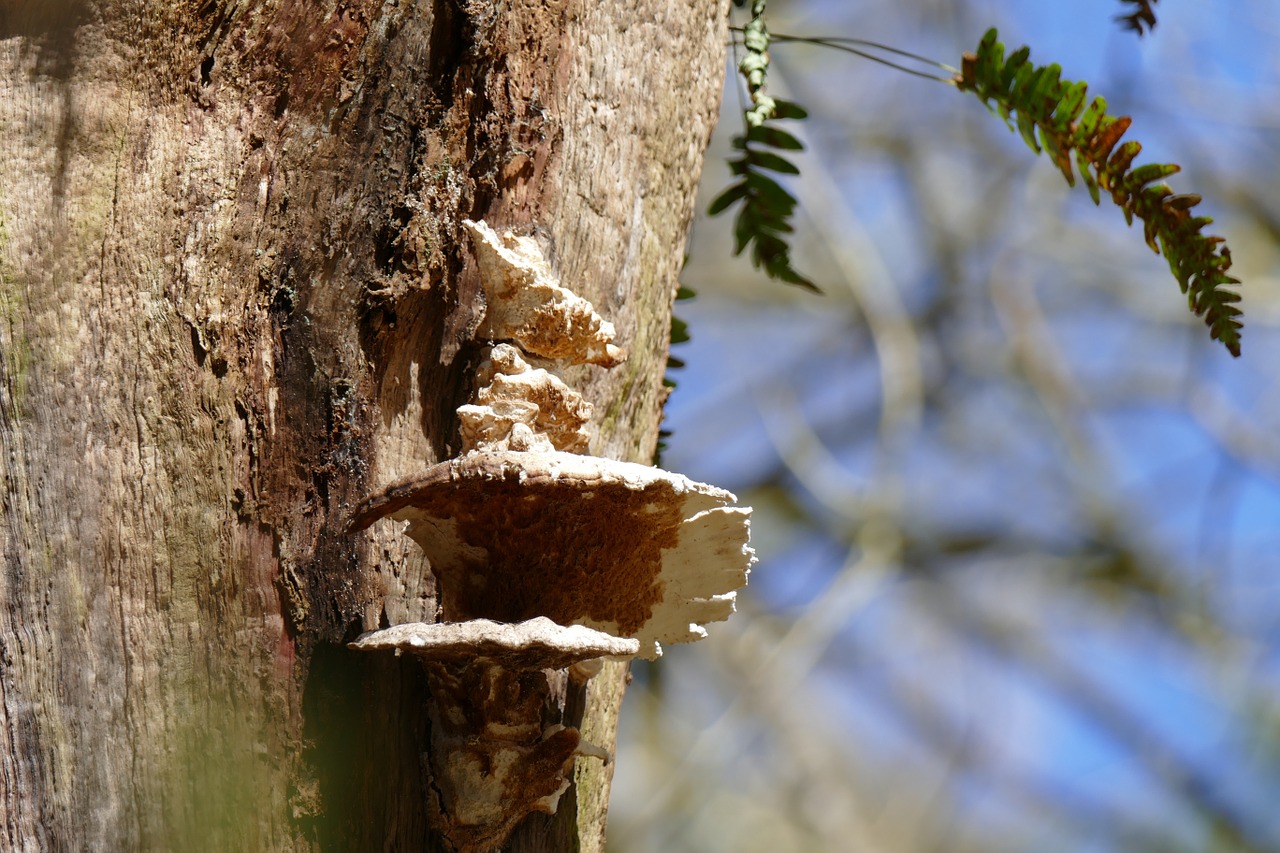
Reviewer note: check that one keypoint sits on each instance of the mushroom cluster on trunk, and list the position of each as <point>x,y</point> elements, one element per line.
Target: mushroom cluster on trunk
<point>545,558</point>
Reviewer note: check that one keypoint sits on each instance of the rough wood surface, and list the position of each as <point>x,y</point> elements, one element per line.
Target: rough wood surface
<point>236,297</point>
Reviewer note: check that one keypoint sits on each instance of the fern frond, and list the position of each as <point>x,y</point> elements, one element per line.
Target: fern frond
<point>679,335</point>
<point>766,208</point>
<point>1140,17</point>
<point>1051,115</point>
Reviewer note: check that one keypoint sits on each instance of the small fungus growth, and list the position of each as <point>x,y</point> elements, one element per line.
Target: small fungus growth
<point>527,305</point>
<point>523,408</point>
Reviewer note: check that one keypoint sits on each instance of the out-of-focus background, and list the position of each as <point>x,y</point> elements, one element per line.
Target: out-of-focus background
<point>1017,515</point>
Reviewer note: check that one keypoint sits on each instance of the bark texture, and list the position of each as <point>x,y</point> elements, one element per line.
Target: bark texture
<point>235,298</point>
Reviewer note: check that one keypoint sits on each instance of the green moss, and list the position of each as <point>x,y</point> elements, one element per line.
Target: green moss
<point>609,424</point>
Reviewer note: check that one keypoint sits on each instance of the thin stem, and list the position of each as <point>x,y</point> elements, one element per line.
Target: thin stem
<point>742,105</point>
<point>846,45</point>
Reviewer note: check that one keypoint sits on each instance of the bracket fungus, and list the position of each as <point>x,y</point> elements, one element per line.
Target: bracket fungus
<point>627,549</point>
<point>537,643</point>
<point>546,559</point>
<point>493,760</point>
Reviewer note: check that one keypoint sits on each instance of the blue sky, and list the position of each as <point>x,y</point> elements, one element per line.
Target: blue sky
<point>767,369</point>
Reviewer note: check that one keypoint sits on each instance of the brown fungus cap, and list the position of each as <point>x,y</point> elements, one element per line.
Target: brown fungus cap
<point>627,549</point>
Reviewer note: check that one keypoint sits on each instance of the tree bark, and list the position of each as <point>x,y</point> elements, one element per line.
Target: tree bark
<point>235,298</point>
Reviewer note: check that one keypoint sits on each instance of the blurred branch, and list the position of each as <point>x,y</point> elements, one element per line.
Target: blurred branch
<point>879,297</point>
<point>770,670</point>
<point>1249,442</point>
<point>803,453</point>
<point>1042,365</point>
<point>969,749</point>
<point>1076,690</point>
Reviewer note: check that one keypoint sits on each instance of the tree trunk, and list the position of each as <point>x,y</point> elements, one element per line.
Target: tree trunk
<point>236,297</point>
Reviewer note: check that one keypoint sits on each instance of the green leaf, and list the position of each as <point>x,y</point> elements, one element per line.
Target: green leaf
<point>1184,201</point>
<point>789,109</point>
<point>785,272</point>
<point>775,224</point>
<point>1017,65</point>
<point>990,62</point>
<point>1088,124</point>
<point>1058,154</point>
<point>1027,127</point>
<point>1086,174</point>
<point>1144,175</point>
<point>1110,129</point>
<point>1123,157</point>
<point>679,330</point>
<point>766,160</point>
<point>743,233</point>
<point>770,192</point>
<point>1045,88</point>
<point>1069,105</point>
<point>726,199</point>
<point>774,138</point>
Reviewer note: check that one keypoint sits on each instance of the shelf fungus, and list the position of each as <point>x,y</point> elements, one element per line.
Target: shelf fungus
<point>623,548</point>
<point>546,559</point>
<point>493,760</point>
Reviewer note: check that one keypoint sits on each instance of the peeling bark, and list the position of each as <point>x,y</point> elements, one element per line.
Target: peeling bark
<point>236,296</point>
